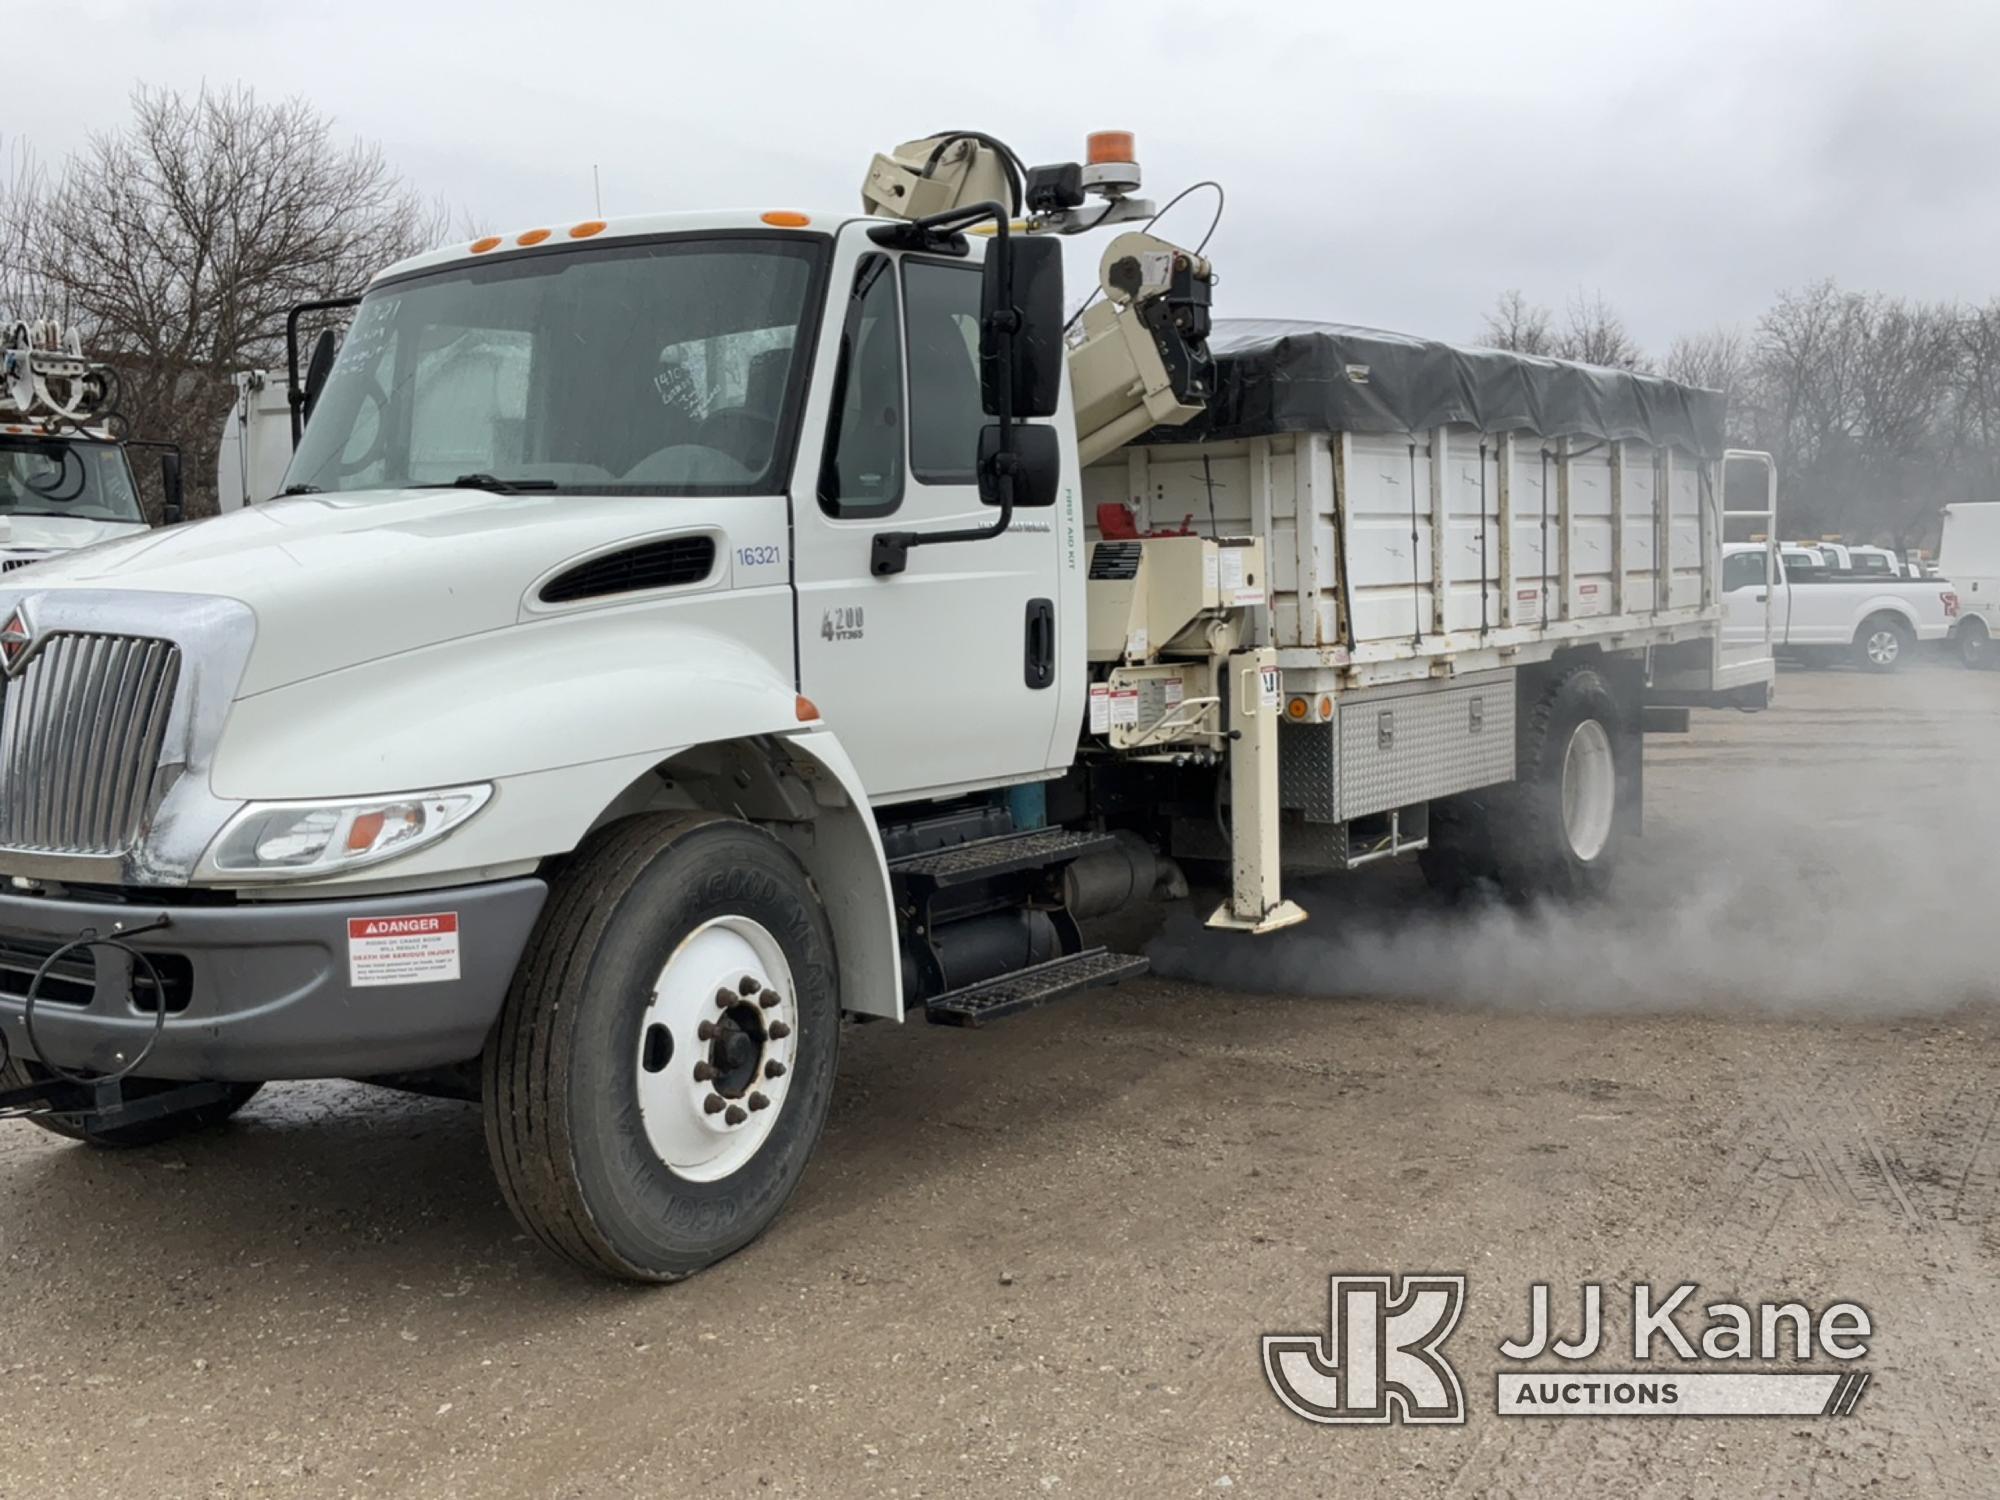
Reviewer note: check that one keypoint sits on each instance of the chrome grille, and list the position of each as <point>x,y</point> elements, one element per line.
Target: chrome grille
<point>80,733</point>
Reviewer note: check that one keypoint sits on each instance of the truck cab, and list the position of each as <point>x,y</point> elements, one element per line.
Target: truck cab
<point>61,490</point>
<point>66,481</point>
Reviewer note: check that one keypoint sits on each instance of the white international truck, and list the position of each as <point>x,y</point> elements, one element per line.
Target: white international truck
<point>65,480</point>
<point>684,633</point>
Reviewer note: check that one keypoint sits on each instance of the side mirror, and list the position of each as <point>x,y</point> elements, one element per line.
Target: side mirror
<point>1029,288</point>
<point>171,507</point>
<point>1035,461</point>
<point>319,367</point>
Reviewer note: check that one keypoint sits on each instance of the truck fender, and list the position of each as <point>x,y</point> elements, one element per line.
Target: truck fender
<point>572,722</point>
<point>1886,604</point>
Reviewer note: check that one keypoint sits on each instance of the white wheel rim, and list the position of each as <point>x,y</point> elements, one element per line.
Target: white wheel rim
<point>1883,647</point>
<point>722,1024</point>
<point>1589,790</point>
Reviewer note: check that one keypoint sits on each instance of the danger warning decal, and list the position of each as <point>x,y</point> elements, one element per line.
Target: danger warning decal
<point>420,949</point>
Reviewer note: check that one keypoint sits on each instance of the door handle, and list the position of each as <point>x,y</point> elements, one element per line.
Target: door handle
<point>1039,670</point>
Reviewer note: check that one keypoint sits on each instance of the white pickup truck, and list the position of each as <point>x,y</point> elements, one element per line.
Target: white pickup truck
<point>1816,614</point>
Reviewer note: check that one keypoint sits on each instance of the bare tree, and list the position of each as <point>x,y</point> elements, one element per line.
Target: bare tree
<point>1717,360</point>
<point>1519,325</point>
<point>1591,332</point>
<point>1595,334</point>
<point>178,245</point>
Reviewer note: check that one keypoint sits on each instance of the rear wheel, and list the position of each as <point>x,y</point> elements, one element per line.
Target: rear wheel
<point>664,1063</point>
<point>1882,643</point>
<point>20,1072</point>
<point>1975,647</point>
<point>1558,828</point>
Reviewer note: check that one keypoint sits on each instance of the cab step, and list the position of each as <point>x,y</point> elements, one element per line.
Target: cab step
<point>1024,989</point>
<point>983,859</point>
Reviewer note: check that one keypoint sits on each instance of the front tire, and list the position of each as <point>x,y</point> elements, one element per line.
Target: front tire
<point>1882,644</point>
<point>19,1072</point>
<point>664,1063</point>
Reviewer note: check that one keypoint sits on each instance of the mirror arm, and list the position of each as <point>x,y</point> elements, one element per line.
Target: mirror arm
<point>889,553</point>
<point>295,395</point>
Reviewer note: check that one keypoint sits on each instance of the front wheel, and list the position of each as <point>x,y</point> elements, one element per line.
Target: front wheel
<point>1882,643</point>
<point>664,1062</point>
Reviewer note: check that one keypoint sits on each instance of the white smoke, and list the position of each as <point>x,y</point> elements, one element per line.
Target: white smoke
<point>1842,856</point>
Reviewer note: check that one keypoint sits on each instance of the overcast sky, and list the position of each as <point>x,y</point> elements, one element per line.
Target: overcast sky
<point>1392,163</point>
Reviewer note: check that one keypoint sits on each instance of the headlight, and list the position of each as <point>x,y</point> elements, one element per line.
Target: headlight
<point>289,840</point>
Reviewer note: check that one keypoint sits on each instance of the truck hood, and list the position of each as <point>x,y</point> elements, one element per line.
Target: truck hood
<point>338,580</point>
<point>32,534</point>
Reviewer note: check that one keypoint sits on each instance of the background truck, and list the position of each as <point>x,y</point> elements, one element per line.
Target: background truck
<point>65,480</point>
<point>256,445</point>
<point>1969,555</point>
<point>1819,614</point>
<point>682,633</point>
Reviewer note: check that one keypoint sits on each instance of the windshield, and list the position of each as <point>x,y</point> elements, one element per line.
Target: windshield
<point>66,477</point>
<point>662,367</point>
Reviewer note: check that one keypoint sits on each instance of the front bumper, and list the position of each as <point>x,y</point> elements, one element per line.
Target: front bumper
<point>262,991</point>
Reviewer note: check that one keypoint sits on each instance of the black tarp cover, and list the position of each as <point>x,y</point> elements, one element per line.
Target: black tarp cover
<point>1276,375</point>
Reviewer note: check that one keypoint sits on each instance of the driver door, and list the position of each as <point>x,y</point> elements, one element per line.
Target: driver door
<point>928,676</point>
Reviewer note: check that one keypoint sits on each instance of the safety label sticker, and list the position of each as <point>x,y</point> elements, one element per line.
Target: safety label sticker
<point>1100,707</point>
<point>419,949</point>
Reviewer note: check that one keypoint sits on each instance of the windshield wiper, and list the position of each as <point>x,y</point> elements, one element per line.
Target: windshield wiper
<point>301,489</point>
<point>491,482</point>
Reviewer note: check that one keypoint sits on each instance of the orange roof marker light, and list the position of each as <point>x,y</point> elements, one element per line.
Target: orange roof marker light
<point>784,218</point>
<point>532,237</point>
<point>586,229</point>
<point>1110,163</point>
<point>1102,147</point>
<point>490,242</point>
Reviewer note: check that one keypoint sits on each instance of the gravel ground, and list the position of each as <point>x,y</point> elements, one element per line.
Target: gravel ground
<point>1036,1259</point>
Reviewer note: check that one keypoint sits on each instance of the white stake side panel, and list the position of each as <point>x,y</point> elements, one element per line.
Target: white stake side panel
<point>1358,511</point>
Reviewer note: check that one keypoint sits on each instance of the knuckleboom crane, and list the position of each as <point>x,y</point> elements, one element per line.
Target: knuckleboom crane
<point>1170,617</point>
<point>1139,358</point>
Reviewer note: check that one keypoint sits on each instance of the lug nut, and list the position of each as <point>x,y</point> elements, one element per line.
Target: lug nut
<point>771,1000</point>
<point>774,1069</point>
<point>748,985</point>
<point>703,1072</point>
<point>707,1031</point>
<point>725,998</point>
<point>736,1116</point>
<point>712,1105</point>
<point>779,1031</point>
<point>758,1101</point>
